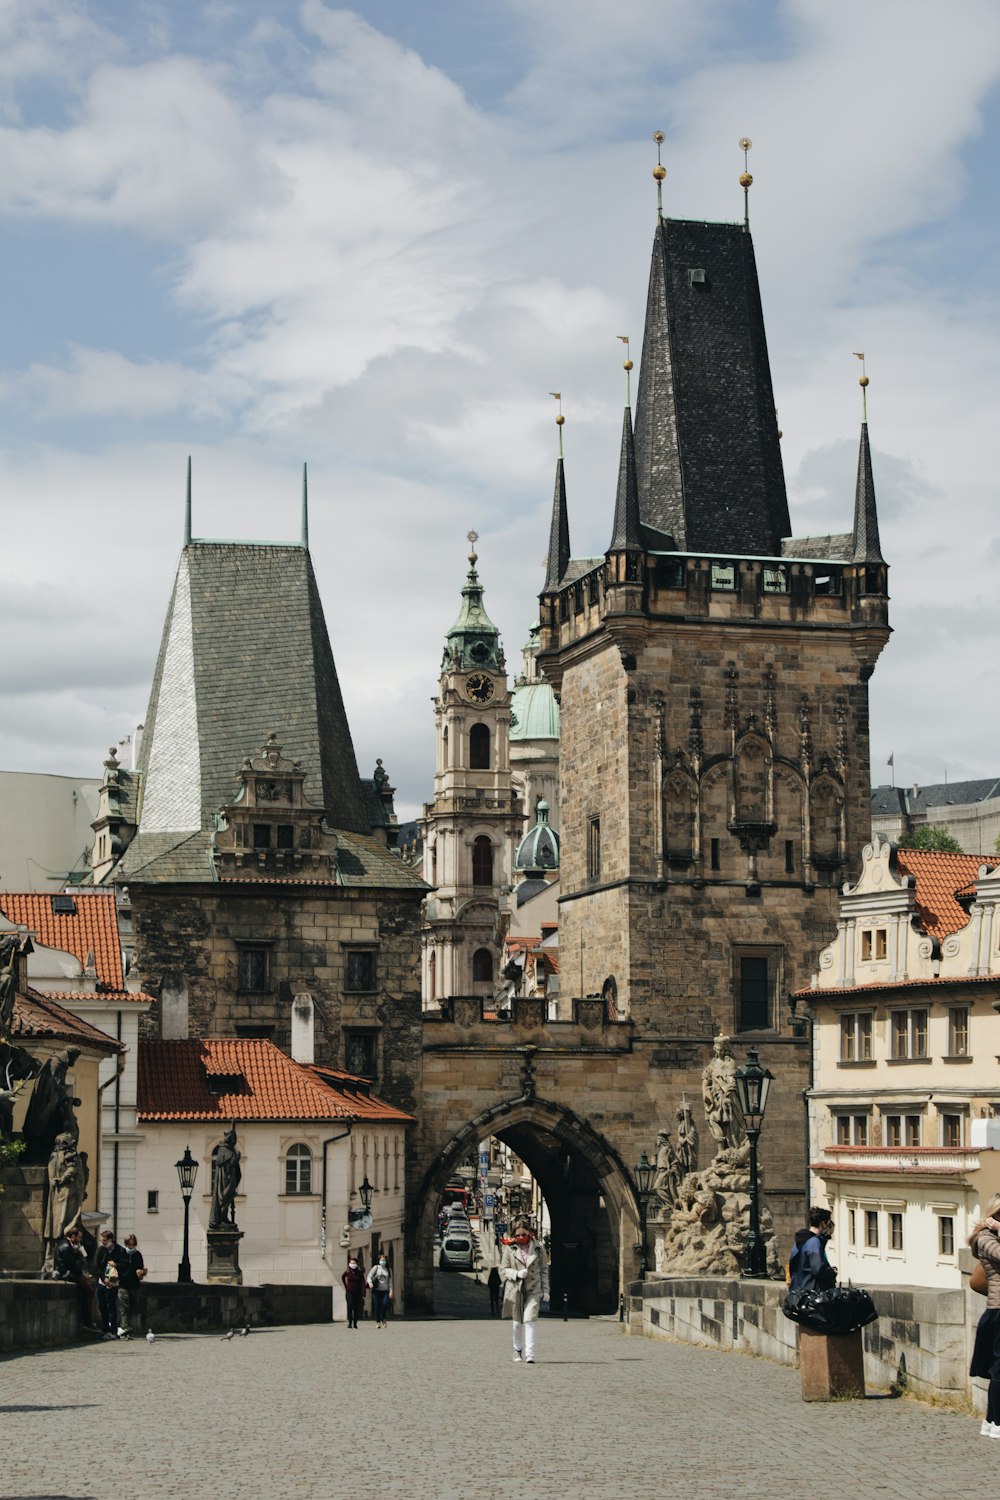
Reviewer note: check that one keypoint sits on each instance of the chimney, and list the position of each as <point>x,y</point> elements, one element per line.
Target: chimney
<point>303,1019</point>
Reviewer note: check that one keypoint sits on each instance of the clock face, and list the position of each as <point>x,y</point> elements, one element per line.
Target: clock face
<point>479,687</point>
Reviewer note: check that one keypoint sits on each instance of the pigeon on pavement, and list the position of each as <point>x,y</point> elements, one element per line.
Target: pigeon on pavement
<point>244,1331</point>
<point>230,1335</point>
<point>150,1337</point>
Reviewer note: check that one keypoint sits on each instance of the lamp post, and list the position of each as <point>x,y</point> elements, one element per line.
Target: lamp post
<point>644,1173</point>
<point>752,1085</point>
<point>365,1191</point>
<point>187,1171</point>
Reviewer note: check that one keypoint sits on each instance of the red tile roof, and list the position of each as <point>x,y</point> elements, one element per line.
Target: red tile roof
<point>38,1015</point>
<point>256,1082</point>
<point>91,928</point>
<point>940,877</point>
<point>533,945</point>
<point>949,981</point>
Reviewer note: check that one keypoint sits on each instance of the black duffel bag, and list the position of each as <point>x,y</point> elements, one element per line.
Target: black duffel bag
<point>837,1309</point>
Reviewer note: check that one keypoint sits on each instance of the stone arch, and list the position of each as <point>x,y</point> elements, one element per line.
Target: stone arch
<point>570,1143</point>
<point>785,859</point>
<point>826,825</point>
<point>720,854</point>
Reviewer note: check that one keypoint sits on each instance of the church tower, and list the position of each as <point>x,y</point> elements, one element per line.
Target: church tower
<point>713,675</point>
<point>472,826</point>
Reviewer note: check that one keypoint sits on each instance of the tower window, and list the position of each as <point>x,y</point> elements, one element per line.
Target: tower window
<point>482,861</point>
<point>755,978</point>
<point>716,862</point>
<point>594,849</point>
<point>361,1053</point>
<point>262,835</point>
<point>359,976</point>
<point>479,747</point>
<point>286,836</point>
<point>254,968</point>
<point>482,966</point>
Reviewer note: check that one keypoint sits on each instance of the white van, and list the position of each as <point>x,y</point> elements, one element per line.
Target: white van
<point>457,1250</point>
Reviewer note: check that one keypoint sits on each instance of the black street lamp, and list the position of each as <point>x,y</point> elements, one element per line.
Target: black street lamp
<point>752,1084</point>
<point>187,1171</point>
<point>644,1173</point>
<point>366,1191</point>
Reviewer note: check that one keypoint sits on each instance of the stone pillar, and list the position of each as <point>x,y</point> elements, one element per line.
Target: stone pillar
<point>22,1213</point>
<point>224,1256</point>
<point>832,1365</point>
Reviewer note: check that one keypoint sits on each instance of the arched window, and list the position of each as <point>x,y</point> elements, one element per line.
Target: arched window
<point>298,1169</point>
<point>482,861</point>
<point>479,747</point>
<point>482,966</point>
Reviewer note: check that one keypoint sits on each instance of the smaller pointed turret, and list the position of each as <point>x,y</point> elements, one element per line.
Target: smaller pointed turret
<point>558,558</point>
<point>867,548</point>
<point>625,537</point>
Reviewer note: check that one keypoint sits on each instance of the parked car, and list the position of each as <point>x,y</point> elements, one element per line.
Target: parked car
<point>457,1249</point>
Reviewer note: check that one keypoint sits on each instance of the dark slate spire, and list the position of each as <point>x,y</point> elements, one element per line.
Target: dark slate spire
<point>558,559</point>
<point>625,537</point>
<point>706,436</point>
<point>866,539</point>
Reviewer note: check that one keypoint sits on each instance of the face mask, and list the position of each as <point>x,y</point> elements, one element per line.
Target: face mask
<point>353,1265</point>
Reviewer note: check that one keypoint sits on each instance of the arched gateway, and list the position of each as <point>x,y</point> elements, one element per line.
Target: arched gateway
<point>553,1092</point>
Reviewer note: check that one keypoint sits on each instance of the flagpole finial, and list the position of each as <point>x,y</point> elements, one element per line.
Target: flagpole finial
<point>746,181</point>
<point>473,538</point>
<point>560,419</point>
<point>628,367</point>
<point>863,383</point>
<point>659,172</point>
<point>187,505</point>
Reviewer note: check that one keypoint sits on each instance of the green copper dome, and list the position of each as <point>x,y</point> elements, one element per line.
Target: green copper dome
<point>535,712</point>
<point>473,641</point>
<point>538,851</point>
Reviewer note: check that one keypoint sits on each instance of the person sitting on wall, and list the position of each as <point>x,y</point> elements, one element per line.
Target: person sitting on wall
<point>808,1266</point>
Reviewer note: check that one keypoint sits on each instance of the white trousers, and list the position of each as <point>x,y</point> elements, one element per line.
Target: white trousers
<point>524,1339</point>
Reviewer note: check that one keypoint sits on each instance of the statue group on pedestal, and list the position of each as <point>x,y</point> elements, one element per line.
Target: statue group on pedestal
<point>702,1216</point>
<point>226,1175</point>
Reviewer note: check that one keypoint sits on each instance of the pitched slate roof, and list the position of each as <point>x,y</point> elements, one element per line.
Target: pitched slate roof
<point>244,653</point>
<point>867,547</point>
<point>706,435</point>
<point>254,1082</point>
<point>37,1015</point>
<point>91,928</point>
<point>940,879</point>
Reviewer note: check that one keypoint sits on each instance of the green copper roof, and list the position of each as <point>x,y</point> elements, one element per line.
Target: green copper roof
<point>538,851</point>
<point>473,641</point>
<point>535,712</point>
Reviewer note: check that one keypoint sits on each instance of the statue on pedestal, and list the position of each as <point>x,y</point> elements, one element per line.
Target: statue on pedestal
<point>67,1183</point>
<point>666,1183</point>
<point>51,1110</point>
<point>722,1106</point>
<point>226,1175</point>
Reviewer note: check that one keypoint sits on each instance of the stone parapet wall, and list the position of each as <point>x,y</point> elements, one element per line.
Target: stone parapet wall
<point>22,1207</point>
<point>35,1313</point>
<point>922,1340</point>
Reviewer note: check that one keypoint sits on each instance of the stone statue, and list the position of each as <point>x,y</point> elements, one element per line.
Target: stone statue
<point>687,1138</point>
<point>226,1176</point>
<point>9,946</point>
<point>50,1109</point>
<point>666,1183</point>
<point>16,1067</point>
<point>722,1106</point>
<point>67,1190</point>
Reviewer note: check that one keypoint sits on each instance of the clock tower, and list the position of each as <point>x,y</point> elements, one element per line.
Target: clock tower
<point>471,828</point>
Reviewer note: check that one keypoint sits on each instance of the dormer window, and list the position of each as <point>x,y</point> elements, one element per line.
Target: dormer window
<point>874,944</point>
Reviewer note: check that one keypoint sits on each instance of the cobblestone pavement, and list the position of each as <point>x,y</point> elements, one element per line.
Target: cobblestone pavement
<point>437,1408</point>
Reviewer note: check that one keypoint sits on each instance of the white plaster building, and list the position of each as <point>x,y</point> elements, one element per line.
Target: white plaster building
<point>906,1040</point>
<point>308,1136</point>
<point>46,828</point>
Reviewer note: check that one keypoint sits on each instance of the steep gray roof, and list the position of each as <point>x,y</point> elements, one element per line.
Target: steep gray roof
<point>625,535</point>
<point>866,540</point>
<point>245,653</point>
<point>706,435</point>
<point>558,558</point>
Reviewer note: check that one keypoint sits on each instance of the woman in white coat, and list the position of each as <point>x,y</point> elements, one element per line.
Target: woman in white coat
<point>524,1271</point>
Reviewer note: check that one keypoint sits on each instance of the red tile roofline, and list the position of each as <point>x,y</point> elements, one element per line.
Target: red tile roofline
<point>951,980</point>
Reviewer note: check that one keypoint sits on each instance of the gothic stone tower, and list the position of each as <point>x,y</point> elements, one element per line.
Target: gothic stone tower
<point>713,680</point>
<point>472,826</point>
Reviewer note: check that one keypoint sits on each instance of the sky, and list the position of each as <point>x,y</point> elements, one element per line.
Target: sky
<point>375,239</point>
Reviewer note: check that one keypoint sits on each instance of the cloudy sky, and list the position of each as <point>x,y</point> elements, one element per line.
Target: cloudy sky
<point>261,232</point>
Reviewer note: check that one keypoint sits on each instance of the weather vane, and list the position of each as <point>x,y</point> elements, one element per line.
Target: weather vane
<point>627,367</point>
<point>560,419</point>
<point>863,383</point>
<point>659,172</point>
<point>745,179</point>
<point>473,537</point>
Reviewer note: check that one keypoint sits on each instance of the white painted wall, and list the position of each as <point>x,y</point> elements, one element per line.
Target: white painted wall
<point>46,827</point>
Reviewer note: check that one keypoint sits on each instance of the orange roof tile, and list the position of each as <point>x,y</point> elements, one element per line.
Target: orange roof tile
<point>949,981</point>
<point>256,1081</point>
<point>939,879</point>
<point>91,928</point>
<point>38,1015</point>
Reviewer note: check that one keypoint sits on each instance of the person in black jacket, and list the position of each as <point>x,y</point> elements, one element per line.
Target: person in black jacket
<point>109,1267</point>
<point>808,1266</point>
<point>69,1263</point>
<point>128,1287</point>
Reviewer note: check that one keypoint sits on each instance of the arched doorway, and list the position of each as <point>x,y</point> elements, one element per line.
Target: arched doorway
<point>591,1205</point>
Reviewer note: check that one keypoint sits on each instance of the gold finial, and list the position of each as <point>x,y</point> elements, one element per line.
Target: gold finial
<point>659,172</point>
<point>627,367</point>
<point>560,419</point>
<point>473,537</point>
<point>745,179</point>
<point>863,383</point>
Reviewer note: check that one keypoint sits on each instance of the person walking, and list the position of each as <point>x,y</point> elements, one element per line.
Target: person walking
<point>524,1270</point>
<point>494,1284</point>
<point>380,1282</point>
<point>984,1242</point>
<point>354,1285</point>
